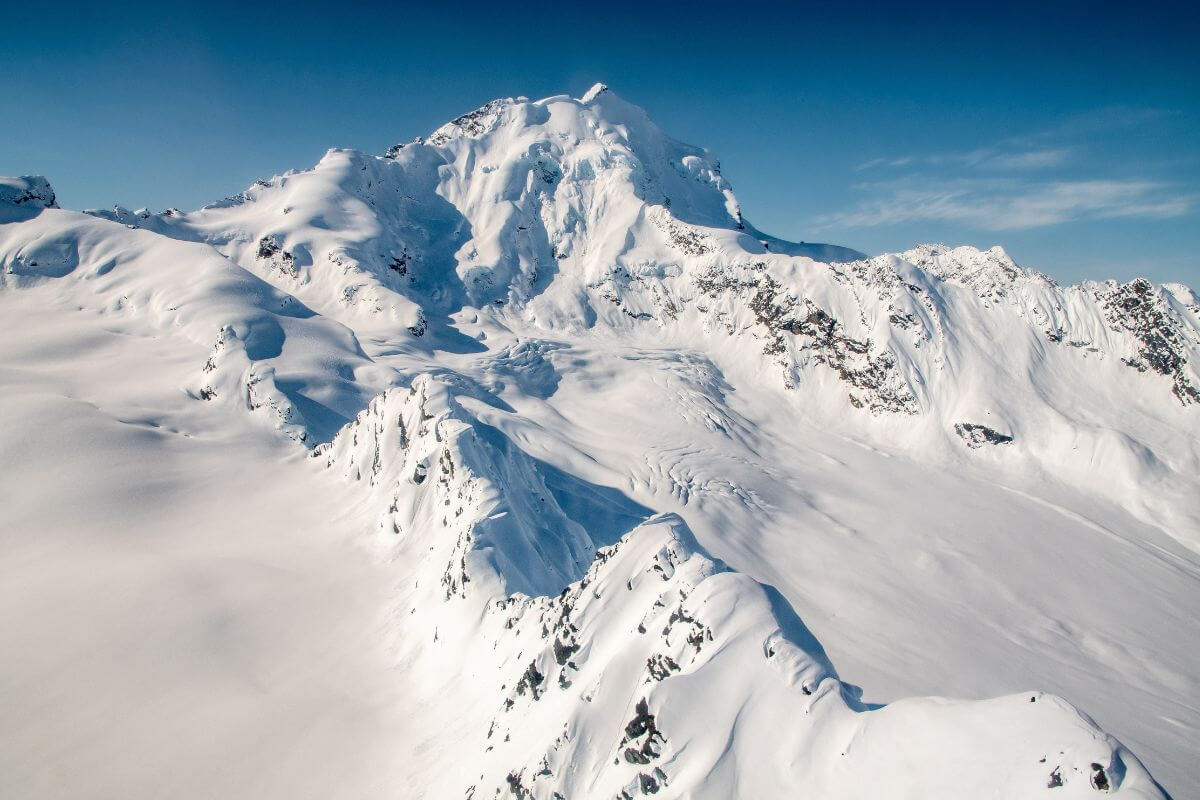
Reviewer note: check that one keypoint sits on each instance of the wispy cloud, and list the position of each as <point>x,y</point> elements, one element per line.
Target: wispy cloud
<point>987,158</point>
<point>1052,146</point>
<point>1007,204</point>
<point>1031,159</point>
<point>1107,120</point>
<point>1086,166</point>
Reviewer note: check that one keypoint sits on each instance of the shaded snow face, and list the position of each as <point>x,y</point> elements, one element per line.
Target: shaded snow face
<point>24,196</point>
<point>603,445</point>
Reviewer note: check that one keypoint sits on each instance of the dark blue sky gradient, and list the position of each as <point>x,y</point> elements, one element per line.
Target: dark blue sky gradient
<point>1070,135</point>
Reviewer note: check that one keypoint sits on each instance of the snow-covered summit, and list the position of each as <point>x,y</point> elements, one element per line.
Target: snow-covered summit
<point>594,92</point>
<point>28,191</point>
<point>517,199</point>
<point>989,273</point>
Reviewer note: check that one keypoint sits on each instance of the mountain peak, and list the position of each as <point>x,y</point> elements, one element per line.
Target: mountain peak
<point>594,92</point>
<point>989,273</point>
<point>28,191</point>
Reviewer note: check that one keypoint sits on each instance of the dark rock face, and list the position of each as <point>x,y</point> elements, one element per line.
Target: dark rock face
<point>661,667</point>
<point>874,377</point>
<point>642,730</point>
<point>1137,308</point>
<point>270,251</point>
<point>516,785</point>
<point>473,123</point>
<point>650,784</point>
<point>267,247</point>
<point>684,238</point>
<point>420,327</point>
<point>976,435</point>
<point>697,633</point>
<point>531,681</point>
<point>563,651</point>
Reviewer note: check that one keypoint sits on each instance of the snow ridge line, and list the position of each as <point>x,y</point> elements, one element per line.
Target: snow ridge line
<point>588,660</point>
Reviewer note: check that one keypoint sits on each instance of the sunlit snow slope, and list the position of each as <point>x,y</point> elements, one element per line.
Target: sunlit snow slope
<point>516,462</point>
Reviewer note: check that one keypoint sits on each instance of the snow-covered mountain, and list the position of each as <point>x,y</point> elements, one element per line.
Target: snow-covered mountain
<point>648,501</point>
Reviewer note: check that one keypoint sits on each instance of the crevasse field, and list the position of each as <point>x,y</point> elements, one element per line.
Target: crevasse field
<point>516,463</point>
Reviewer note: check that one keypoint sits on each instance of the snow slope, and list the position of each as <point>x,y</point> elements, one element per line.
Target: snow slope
<point>181,611</point>
<point>640,499</point>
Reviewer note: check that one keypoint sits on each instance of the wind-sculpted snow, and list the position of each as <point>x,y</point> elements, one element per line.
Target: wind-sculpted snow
<point>654,669</point>
<point>266,350</point>
<point>586,416</point>
<point>426,461</point>
<point>991,274</point>
<point>1155,327</point>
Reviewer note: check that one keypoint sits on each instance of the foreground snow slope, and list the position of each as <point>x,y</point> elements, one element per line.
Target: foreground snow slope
<point>656,669</point>
<point>181,612</point>
<point>614,444</point>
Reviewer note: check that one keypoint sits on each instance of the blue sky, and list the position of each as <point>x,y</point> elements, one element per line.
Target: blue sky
<point>1070,135</point>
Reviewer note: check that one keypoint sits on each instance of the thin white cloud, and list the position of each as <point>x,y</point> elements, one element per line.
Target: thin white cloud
<point>1005,204</point>
<point>1038,149</point>
<point>886,162</point>
<point>1107,120</point>
<point>1032,159</point>
<point>987,158</point>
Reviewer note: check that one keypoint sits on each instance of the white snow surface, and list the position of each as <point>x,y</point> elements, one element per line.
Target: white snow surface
<point>516,462</point>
